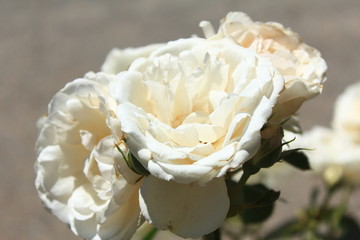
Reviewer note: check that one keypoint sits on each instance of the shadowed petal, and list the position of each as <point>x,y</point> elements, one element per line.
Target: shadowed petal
<point>188,210</point>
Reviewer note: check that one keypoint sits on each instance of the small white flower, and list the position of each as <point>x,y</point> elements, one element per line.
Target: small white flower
<point>346,119</point>
<point>334,156</point>
<point>336,152</point>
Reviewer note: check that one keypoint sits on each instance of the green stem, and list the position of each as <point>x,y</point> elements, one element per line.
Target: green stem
<point>236,194</point>
<point>215,235</point>
<point>240,185</point>
<point>244,178</point>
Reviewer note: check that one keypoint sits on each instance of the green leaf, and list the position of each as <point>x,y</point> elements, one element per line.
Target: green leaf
<point>350,227</point>
<point>259,203</point>
<point>256,215</point>
<point>296,158</point>
<point>259,195</point>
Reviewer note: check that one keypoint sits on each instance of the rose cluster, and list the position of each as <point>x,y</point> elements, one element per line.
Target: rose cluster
<point>153,136</point>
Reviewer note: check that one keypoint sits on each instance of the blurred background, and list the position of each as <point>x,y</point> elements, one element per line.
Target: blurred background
<point>45,44</point>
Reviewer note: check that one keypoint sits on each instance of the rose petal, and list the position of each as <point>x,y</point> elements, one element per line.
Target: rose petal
<point>120,59</point>
<point>188,210</point>
<point>123,223</point>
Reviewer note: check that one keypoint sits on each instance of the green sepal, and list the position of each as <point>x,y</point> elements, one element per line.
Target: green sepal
<point>151,234</point>
<point>269,158</point>
<point>133,163</point>
<point>270,149</point>
<point>137,166</point>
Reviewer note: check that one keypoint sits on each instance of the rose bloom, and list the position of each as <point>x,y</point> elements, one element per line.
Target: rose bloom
<point>76,178</point>
<point>301,65</point>
<point>188,111</point>
<point>191,112</point>
<point>347,113</point>
<point>120,59</point>
<point>332,155</point>
<point>194,109</point>
<point>336,153</point>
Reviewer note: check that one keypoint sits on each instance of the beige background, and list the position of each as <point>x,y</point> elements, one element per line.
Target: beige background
<point>44,44</point>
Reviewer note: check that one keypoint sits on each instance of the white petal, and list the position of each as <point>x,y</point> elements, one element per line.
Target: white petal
<point>207,28</point>
<point>188,210</point>
<point>183,173</point>
<point>85,229</point>
<point>123,223</point>
<point>120,59</point>
<point>88,139</point>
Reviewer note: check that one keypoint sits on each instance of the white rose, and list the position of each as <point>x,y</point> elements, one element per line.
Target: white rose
<point>76,178</point>
<point>301,65</point>
<point>334,156</point>
<point>194,109</point>
<point>119,60</point>
<point>347,113</point>
<point>191,112</point>
<point>336,151</point>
